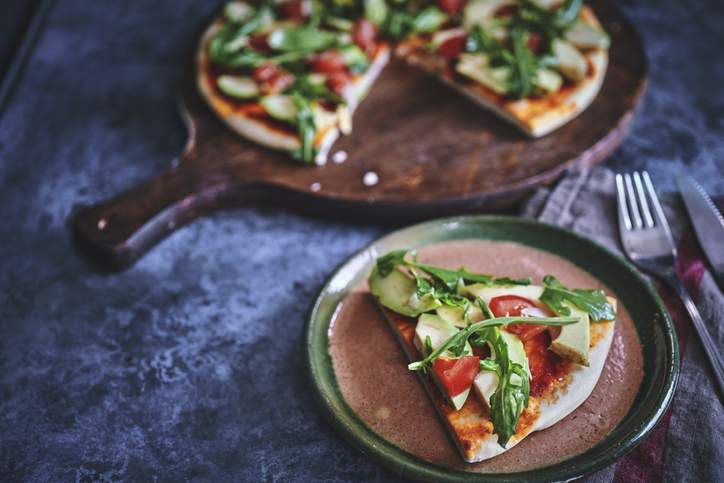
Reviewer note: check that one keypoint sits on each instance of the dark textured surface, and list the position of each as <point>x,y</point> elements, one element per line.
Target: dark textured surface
<point>189,365</point>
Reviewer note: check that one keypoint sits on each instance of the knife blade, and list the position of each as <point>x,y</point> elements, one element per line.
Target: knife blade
<point>708,223</point>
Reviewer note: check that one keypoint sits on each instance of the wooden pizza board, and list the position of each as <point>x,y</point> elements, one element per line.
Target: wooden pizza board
<point>433,151</point>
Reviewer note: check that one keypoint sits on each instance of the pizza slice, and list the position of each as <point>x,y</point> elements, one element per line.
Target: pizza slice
<point>499,357</point>
<point>536,64</point>
<point>284,81</point>
<point>289,74</point>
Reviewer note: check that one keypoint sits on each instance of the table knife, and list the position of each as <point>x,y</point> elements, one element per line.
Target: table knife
<point>708,223</point>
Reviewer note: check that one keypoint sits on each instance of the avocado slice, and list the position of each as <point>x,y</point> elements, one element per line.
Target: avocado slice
<point>456,315</point>
<point>482,12</point>
<point>487,292</point>
<point>574,340</point>
<point>440,330</point>
<point>584,36</point>
<point>398,293</point>
<point>280,107</point>
<point>569,60</point>
<point>240,87</point>
<point>547,81</point>
<point>476,67</point>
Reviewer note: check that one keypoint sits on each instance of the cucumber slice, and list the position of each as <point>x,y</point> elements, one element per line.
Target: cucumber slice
<point>475,66</point>
<point>584,36</point>
<point>570,61</point>
<point>280,107</point>
<point>482,12</point>
<point>547,81</point>
<point>238,11</point>
<point>238,86</point>
<point>339,23</point>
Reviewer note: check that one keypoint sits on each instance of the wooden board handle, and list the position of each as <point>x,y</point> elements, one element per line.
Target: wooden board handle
<point>118,231</point>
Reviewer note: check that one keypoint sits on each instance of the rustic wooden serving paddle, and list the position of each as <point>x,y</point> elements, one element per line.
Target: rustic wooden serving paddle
<point>432,151</point>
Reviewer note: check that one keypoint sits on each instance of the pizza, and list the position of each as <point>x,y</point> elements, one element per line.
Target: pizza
<point>500,358</point>
<point>289,74</point>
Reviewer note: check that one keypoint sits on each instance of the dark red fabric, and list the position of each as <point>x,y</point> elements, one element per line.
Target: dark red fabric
<point>646,462</point>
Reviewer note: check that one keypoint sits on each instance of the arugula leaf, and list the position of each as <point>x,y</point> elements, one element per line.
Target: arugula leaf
<point>524,66</point>
<point>428,344</point>
<point>567,14</point>
<point>429,20</point>
<point>451,278</point>
<point>302,38</point>
<point>489,364</point>
<point>225,43</point>
<point>376,11</point>
<point>306,126</point>
<point>509,399</point>
<point>389,262</point>
<point>593,302</point>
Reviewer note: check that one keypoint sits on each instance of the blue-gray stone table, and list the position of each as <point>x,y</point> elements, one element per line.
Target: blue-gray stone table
<point>189,365</point>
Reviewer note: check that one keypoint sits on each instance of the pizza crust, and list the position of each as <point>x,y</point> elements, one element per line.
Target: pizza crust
<point>266,131</point>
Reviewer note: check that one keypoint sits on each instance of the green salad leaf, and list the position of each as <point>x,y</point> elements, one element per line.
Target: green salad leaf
<point>593,302</point>
<point>301,38</point>
<point>306,126</point>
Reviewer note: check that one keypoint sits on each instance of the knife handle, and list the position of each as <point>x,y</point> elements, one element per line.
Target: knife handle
<point>712,351</point>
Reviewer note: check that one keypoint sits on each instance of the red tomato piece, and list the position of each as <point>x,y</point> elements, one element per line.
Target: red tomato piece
<point>451,48</point>
<point>364,34</point>
<point>328,62</point>
<point>338,81</point>
<point>505,11</point>
<point>259,42</point>
<point>295,9</point>
<point>535,42</point>
<point>514,306</point>
<point>456,375</point>
<point>272,79</point>
<point>451,6</point>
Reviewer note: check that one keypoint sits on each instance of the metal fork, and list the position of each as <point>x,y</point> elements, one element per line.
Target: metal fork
<point>647,241</point>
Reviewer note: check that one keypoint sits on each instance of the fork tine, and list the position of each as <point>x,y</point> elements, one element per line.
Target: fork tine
<point>648,219</point>
<point>658,211</point>
<point>623,217</point>
<point>632,201</point>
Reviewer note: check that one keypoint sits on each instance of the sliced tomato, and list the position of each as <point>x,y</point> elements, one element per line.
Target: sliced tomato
<point>535,42</point>
<point>328,62</point>
<point>364,34</point>
<point>515,306</point>
<point>451,6</point>
<point>456,375</point>
<point>259,42</point>
<point>295,9</point>
<point>338,81</point>
<point>505,11</point>
<point>272,79</point>
<point>451,48</point>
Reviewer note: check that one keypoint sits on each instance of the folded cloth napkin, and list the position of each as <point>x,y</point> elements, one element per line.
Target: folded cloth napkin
<point>688,443</point>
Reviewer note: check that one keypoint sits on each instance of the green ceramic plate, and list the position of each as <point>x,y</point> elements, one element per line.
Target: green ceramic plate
<point>660,350</point>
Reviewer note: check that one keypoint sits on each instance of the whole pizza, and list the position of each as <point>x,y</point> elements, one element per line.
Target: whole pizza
<point>289,74</point>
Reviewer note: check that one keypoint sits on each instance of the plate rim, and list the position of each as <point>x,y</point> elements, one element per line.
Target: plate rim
<point>402,463</point>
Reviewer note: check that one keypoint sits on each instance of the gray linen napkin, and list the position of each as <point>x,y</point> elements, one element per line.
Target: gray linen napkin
<point>688,444</point>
